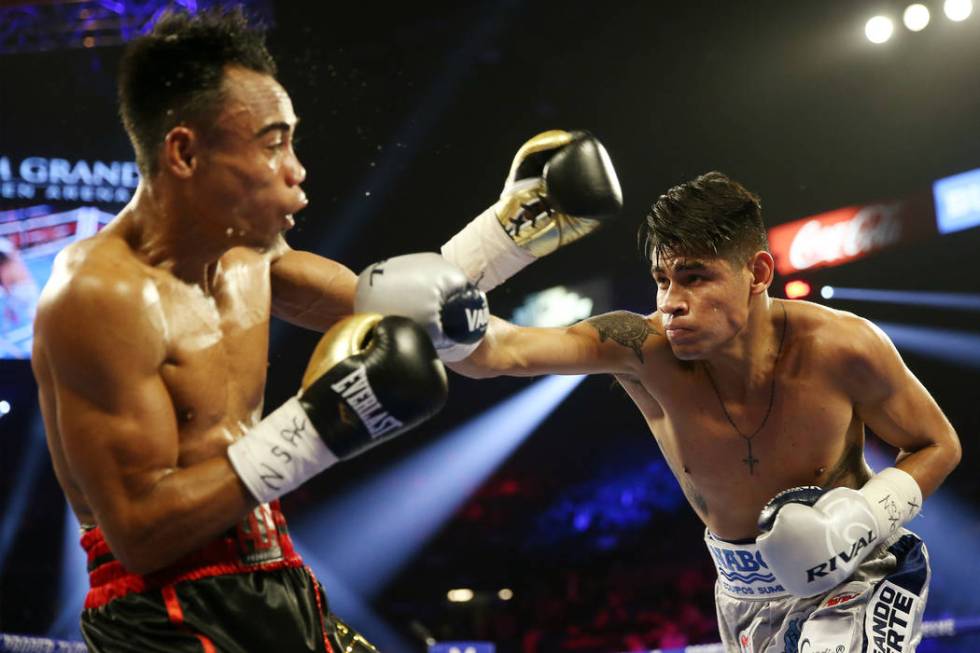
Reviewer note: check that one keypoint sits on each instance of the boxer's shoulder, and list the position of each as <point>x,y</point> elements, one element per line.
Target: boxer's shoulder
<point>844,344</point>
<point>98,286</point>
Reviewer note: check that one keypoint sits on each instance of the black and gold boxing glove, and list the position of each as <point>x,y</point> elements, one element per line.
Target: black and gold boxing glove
<point>561,186</point>
<point>369,379</point>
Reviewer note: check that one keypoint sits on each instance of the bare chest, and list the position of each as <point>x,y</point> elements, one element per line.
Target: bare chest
<point>731,458</point>
<point>217,357</point>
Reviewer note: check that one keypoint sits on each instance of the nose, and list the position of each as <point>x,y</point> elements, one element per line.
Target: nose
<point>672,302</point>
<point>295,172</point>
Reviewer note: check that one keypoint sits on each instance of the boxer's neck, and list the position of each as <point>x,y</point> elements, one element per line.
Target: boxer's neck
<point>745,363</point>
<point>170,237</point>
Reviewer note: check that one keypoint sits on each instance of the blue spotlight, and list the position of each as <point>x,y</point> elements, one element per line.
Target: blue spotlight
<point>28,469</point>
<point>352,608</point>
<point>953,301</point>
<point>73,584</point>
<point>948,526</point>
<point>389,517</point>
<point>962,348</point>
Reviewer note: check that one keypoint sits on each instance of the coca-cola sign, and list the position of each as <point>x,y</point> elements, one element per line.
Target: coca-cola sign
<point>835,237</point>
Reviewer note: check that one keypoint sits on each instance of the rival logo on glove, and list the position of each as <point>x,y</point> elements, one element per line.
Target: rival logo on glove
<point>831,565</point>
<point>357,393</point>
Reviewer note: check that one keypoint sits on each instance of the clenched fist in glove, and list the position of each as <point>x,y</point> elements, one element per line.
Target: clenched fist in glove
<point>560,187</point>
<point>813,540</point>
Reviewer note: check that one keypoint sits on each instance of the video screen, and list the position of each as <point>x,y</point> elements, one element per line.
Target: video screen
<point>57,202</point>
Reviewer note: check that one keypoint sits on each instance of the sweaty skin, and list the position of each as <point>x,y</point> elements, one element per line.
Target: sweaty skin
<point>835,375</point>
<point>151,341</point>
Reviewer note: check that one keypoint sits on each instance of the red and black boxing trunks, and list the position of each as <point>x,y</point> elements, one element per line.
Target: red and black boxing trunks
<point>247,591</point>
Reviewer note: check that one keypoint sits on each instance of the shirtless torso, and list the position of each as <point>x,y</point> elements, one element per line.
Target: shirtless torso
<point>811,436</point>
<point>145,379</point>
<point>209,352</point>
<point>833,374</point>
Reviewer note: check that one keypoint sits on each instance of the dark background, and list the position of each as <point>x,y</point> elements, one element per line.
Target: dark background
<point>410,116</point>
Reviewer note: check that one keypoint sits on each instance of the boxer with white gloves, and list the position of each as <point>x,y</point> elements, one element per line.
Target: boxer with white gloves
<point>749,398</point>
<point>561,186</point>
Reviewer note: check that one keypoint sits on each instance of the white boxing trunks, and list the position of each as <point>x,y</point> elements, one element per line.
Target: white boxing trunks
<point>878,610</point>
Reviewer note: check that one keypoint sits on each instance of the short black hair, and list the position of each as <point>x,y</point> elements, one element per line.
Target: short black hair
<point>173,75</point>
<point>711,215</point>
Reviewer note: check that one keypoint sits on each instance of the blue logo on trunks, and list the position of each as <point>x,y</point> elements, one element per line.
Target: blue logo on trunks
<point>742,572</point>
<point>791,640</point>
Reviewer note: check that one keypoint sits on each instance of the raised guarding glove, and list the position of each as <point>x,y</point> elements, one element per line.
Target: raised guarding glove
<point>814,539</point>
<point>433,292</point>
<point>369,379</point>
<point>561,186</point>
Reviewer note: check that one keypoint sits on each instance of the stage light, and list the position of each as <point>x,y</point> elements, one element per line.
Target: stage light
<point>958,348</point>
<point>461,595</point>
<point>797,289</point>
<point>879,29</point>
<point>952,301</point>
<point>916,17</point>
<point>4,407</point>
<point>505,594</point>
<point>73,582</point>
<point>399,509</point>
<point>958,10</point>
<point>554,307</point>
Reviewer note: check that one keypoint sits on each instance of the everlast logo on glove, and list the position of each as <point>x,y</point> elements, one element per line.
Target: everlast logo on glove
<point>357,393</point>
<point>830,566</point>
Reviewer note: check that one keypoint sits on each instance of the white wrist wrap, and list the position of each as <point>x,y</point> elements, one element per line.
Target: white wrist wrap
<point>895,498</point>
<point>279,453</point>
<point>484,251</point>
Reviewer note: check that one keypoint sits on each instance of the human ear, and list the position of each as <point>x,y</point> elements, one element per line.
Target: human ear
<point>180,147</point>
<point>762,266</point>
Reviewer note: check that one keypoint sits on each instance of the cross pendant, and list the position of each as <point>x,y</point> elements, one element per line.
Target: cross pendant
<point>750,461</point>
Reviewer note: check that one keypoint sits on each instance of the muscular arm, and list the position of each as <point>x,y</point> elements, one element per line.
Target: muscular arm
<point>611,343</point>
<point>310,291</point>
<point>115,422</point>
<point>896,406</point>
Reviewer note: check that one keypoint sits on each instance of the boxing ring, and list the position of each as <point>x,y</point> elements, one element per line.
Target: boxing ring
<point>941,628</point>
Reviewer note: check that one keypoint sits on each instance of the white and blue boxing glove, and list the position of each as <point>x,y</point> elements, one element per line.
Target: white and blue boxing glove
<point>814,539</point>
<point>431,291</point>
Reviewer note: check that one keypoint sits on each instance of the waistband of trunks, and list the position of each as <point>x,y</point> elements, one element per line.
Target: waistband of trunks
<point>260,542</point>
<point>742,572</point>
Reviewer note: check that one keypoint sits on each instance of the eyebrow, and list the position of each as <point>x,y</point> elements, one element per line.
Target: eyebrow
<point>686,266</point>
<point>276,126</point>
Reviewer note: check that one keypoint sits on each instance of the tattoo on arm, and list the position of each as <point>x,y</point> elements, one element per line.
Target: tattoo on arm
<point>628,329</point>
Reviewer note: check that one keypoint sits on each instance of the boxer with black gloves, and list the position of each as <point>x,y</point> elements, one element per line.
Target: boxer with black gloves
<point>151,351</point>
<point>759,406</point>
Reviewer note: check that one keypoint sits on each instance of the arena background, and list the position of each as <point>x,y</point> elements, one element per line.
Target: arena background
<point>547,499</point>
